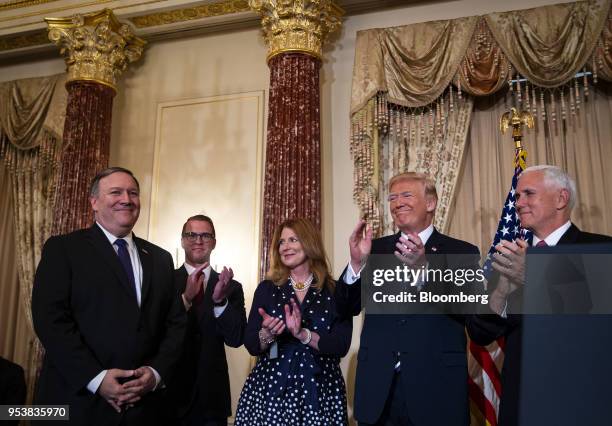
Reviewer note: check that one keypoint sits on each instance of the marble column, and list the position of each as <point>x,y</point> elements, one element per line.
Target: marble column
<point>97,49</point>
<point>295,32</point>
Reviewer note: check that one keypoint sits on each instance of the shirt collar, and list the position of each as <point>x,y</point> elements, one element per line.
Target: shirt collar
<point>554,237</point>
<point>190,269</point>
<point>424,234</point>
<point>112,238</point>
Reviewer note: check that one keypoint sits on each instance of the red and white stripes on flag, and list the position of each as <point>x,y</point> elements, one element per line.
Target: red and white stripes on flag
<point>484,370</point>
<point>485,362</point>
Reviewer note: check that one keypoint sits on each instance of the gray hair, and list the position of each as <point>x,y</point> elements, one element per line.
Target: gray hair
<point>555,177</point>
<point>94,188</point>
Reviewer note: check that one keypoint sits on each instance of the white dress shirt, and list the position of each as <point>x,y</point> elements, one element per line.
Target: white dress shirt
<point>554,237</point>
<point>94,384</point>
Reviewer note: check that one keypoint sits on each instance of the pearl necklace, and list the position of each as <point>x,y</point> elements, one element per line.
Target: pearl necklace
<point>301,286</point>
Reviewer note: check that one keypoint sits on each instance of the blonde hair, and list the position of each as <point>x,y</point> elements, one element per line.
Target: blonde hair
<point>310,238</point>
<point>428,183</point>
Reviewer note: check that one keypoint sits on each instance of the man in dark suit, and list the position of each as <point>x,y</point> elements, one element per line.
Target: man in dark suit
<point>412,369</point>
<point>545,196</point>
<point>106,310</point>
<point>12,385</point>
<point>216,317</point>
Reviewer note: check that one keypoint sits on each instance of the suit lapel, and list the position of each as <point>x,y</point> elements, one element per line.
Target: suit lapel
<point>434,248</point>
<point>391,242</point>
<point>147,269</point>
<point>570,236</point>
<point>108,254</point>
<point>181,276</point>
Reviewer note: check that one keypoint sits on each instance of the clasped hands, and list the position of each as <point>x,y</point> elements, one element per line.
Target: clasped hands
<point>124,395</point>
<point>274,326</point>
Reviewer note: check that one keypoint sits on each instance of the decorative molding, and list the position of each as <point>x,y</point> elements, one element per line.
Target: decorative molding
<point>96,46</point>
<point>24,40</point>
<point>17,4</point>
<point>152,19</point>
<point>297,25</point>
<point>42,13</point>
<point>225,7</point>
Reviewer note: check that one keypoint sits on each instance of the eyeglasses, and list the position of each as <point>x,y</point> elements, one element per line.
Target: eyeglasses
<point>192,237</point>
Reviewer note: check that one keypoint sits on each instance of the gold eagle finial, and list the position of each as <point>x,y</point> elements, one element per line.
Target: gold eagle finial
<point>517,120</point>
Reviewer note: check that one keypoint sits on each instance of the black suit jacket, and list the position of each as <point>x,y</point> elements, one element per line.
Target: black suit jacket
<point>486,328</point>
<point>432,348</point>
<point>12,385</point>
<point>88,320</point>
<point>201,385</point>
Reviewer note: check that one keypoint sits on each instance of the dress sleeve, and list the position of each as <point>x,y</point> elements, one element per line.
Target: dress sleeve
<point>337,340</point>
<point>251,335</point>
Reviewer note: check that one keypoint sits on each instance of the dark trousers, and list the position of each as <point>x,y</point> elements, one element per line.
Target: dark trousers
<point>195,419</point>
<point>395,412</point>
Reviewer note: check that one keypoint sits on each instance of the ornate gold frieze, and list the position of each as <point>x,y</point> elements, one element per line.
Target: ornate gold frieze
<point>180,15</point>
<point>96,46</point>
<point>297,25</point>
<point>23,40</point>
<point>17,4</point>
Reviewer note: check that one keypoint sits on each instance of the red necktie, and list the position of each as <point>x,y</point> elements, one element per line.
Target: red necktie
<point>541,243</point>
<point>199,296</point>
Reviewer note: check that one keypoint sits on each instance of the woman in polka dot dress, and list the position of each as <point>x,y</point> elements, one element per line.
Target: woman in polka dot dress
<point>294,329</point>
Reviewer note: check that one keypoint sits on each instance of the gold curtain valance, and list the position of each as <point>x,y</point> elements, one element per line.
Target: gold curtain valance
<point>30,105</point>
<point>413,64</point>
<point>548,45</point>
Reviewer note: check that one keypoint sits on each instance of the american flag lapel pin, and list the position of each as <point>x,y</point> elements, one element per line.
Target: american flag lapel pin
<point>434,249</point>
<point>144,251</point>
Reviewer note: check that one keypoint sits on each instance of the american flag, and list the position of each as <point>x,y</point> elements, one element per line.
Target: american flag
<point>484,363</point>
<point>509,227</point>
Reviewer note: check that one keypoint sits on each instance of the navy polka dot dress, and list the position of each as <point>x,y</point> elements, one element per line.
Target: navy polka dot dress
<point>300,386</point>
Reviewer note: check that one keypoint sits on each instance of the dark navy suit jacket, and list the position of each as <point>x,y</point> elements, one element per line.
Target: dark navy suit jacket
<point>486,328</point>
<point>201,384</point>
<point>87,318</point>
<point>432,348</point>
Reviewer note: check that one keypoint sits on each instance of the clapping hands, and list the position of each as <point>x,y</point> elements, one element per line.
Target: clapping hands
<point>274,326</point>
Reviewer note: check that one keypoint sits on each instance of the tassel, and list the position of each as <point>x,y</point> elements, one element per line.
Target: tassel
<point>563,103</point>
<point>553,106</point>
<point>527,102</point>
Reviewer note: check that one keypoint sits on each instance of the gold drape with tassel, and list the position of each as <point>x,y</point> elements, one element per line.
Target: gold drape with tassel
<point>31,118</point>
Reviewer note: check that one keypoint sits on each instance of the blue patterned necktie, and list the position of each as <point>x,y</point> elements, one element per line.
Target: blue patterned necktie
<point>126,262</point>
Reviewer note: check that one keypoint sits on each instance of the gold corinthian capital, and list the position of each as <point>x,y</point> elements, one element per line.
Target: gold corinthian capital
<point>297,25</point>
<point>96,46</point>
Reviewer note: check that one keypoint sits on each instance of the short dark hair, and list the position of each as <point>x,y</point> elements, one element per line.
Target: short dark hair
<point>94,188</point>
<point>201,218</point>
